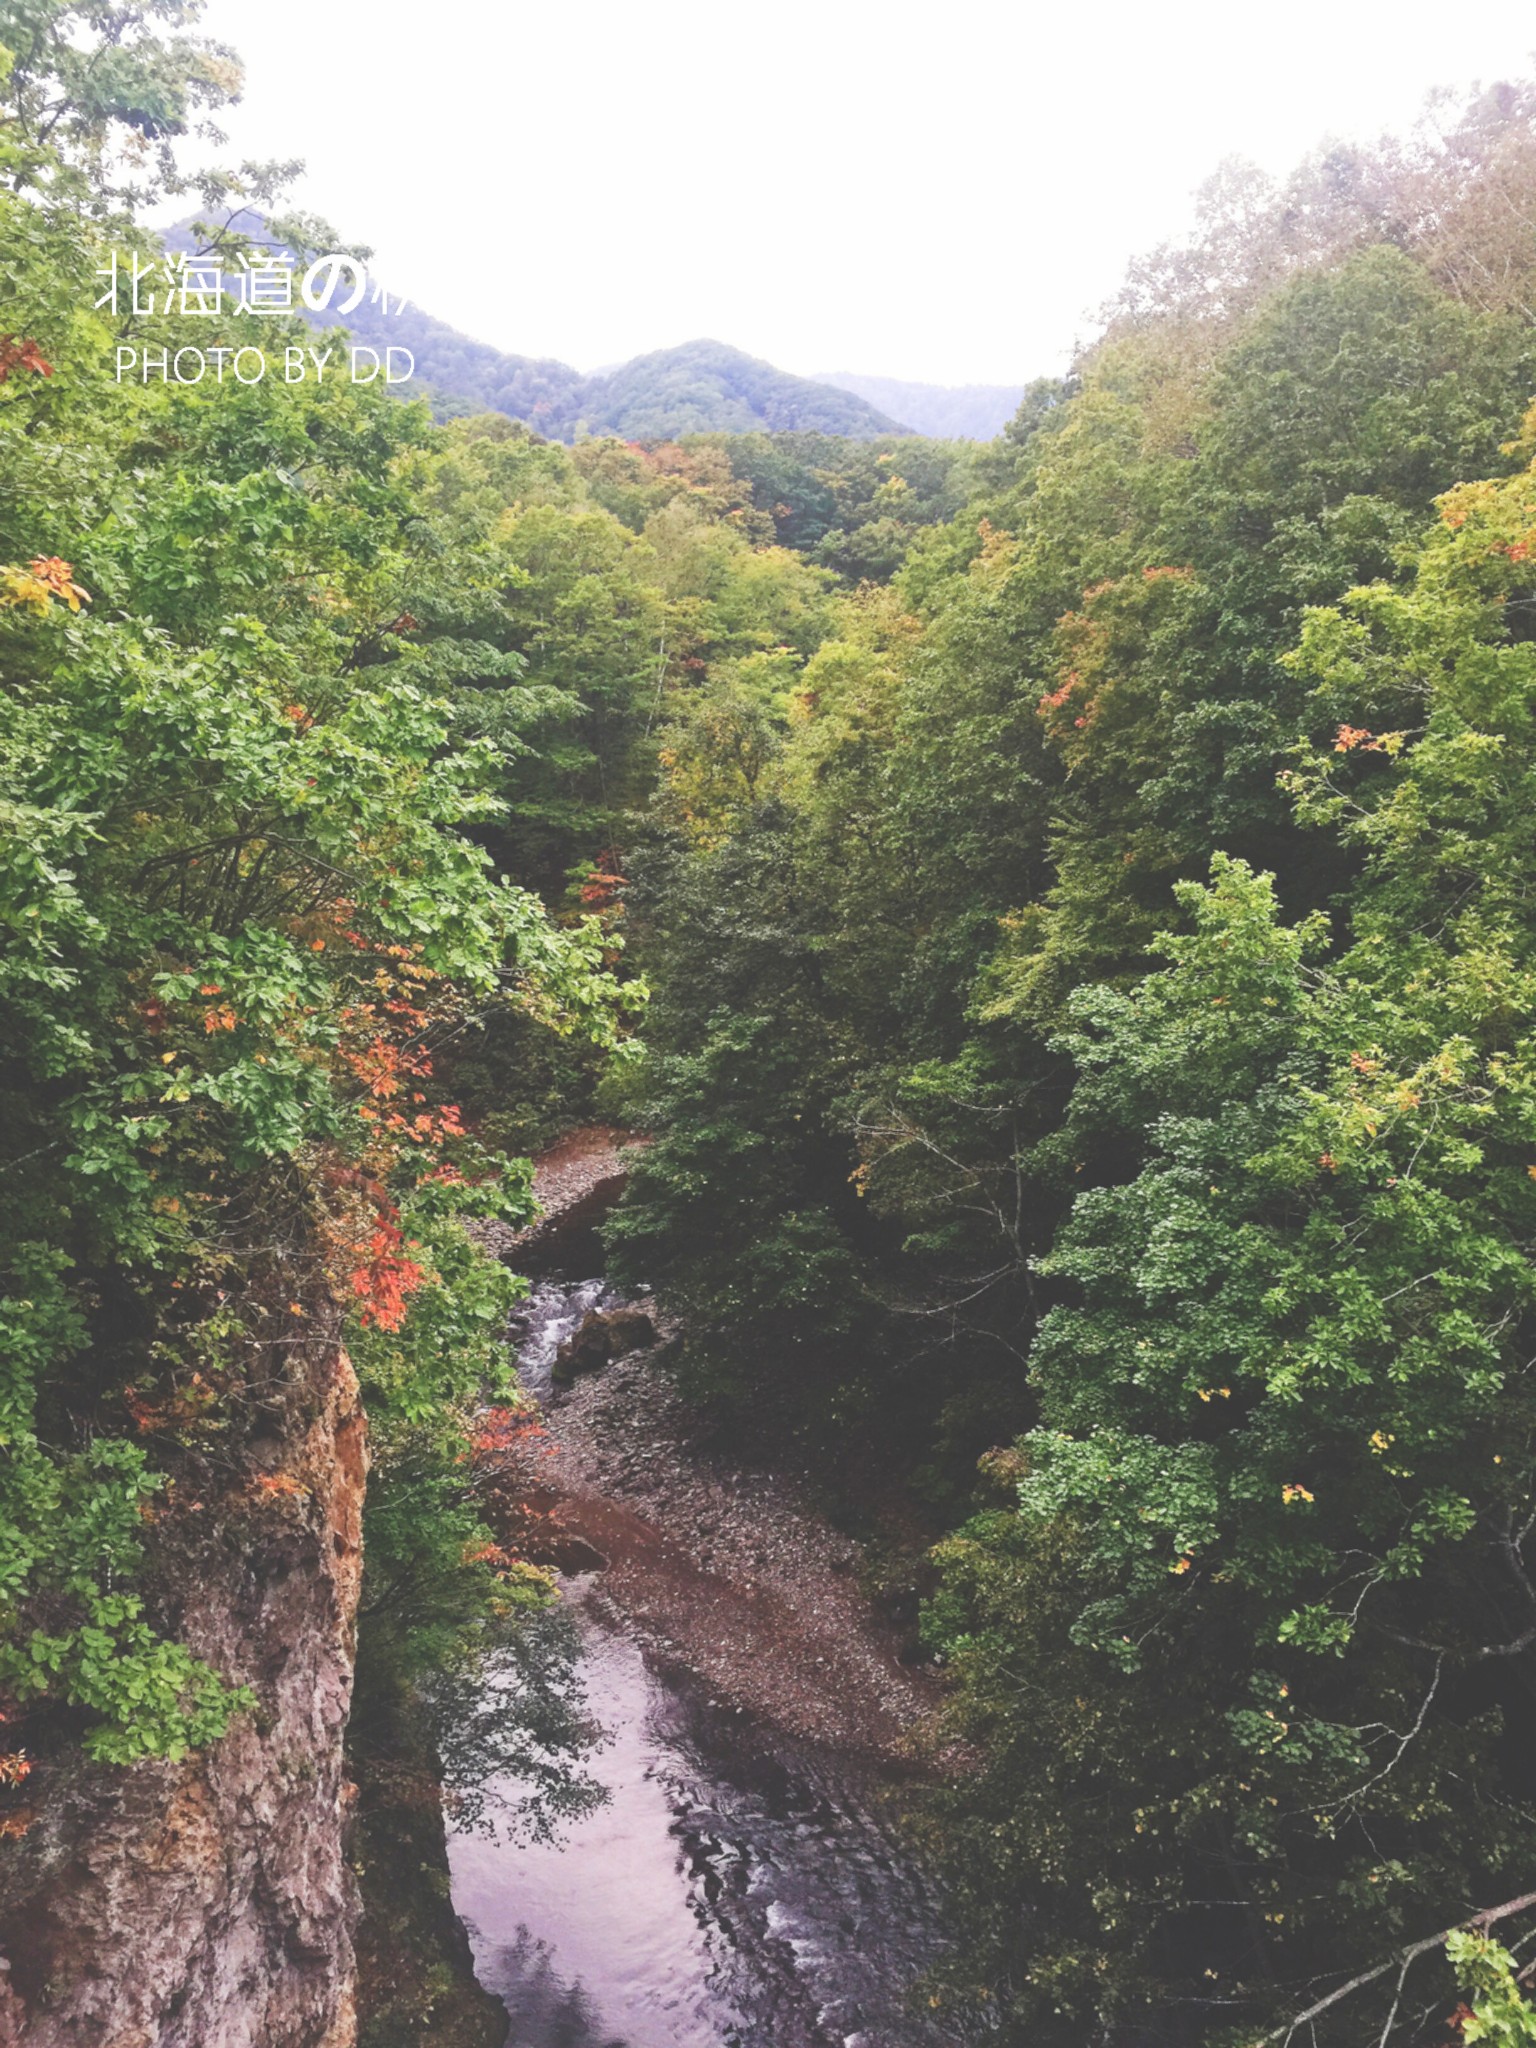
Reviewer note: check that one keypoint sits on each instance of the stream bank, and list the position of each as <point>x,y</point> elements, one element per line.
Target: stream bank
<point>741,1886</point>
<point>731,1572</point>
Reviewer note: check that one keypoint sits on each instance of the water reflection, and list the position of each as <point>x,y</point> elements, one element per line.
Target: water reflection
<point>734,1891</point>
<point>540,2004</point>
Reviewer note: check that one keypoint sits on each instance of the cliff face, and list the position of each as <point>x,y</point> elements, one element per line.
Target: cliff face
<point>208,1903</point>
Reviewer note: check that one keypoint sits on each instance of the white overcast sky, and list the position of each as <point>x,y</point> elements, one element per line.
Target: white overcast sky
<point>940,193</point>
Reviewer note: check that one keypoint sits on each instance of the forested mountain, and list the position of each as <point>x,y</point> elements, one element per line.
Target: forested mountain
<point>948,412</point>
<point>462,376</point>
<point>698,387</point>
<point>704,386</point>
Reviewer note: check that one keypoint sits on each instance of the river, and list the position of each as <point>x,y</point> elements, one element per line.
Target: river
<point>735,1889</point>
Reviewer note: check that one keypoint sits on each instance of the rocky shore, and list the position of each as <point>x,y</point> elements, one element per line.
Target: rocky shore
<point>576,1182</point>
<point>731,1572</point>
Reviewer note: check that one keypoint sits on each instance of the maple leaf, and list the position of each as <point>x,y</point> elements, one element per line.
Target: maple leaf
<point>17,354</point>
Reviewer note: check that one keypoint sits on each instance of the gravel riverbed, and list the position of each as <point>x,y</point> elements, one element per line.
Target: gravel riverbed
<point>733,1573</point>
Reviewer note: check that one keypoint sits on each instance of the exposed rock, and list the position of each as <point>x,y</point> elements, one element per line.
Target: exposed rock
<point>602,1335</point>
<point>208,1903</point>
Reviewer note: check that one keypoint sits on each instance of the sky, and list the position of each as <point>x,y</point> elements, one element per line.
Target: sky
<point>942,193</point>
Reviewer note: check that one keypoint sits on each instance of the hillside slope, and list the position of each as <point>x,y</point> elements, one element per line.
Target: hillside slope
<point>699,387</point>
<point>707,386</point>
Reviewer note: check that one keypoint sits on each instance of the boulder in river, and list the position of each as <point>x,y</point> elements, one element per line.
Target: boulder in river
<point>602,1334</point>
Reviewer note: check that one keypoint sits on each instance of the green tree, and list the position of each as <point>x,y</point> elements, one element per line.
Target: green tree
<point>236,810</point>
<point>1272,1523</point>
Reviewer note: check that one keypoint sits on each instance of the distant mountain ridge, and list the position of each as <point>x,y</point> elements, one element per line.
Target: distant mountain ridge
<point>943,412</point>
<point>698,387</point>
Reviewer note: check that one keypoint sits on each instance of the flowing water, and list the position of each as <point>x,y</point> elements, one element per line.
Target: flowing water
<point>734,1890</point>
<point>544,1321</point>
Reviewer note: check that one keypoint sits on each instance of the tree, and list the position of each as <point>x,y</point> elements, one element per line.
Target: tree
<point>243,907</point>
<point>1273,1523</point>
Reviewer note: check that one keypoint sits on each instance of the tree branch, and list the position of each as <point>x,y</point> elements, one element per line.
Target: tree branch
<point>1401,1960</point>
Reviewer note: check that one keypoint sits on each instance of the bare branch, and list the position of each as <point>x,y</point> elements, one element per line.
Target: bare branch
<point>1400,1960</point>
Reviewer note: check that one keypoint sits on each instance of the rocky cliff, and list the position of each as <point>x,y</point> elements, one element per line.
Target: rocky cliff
<point>208,1903</point>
